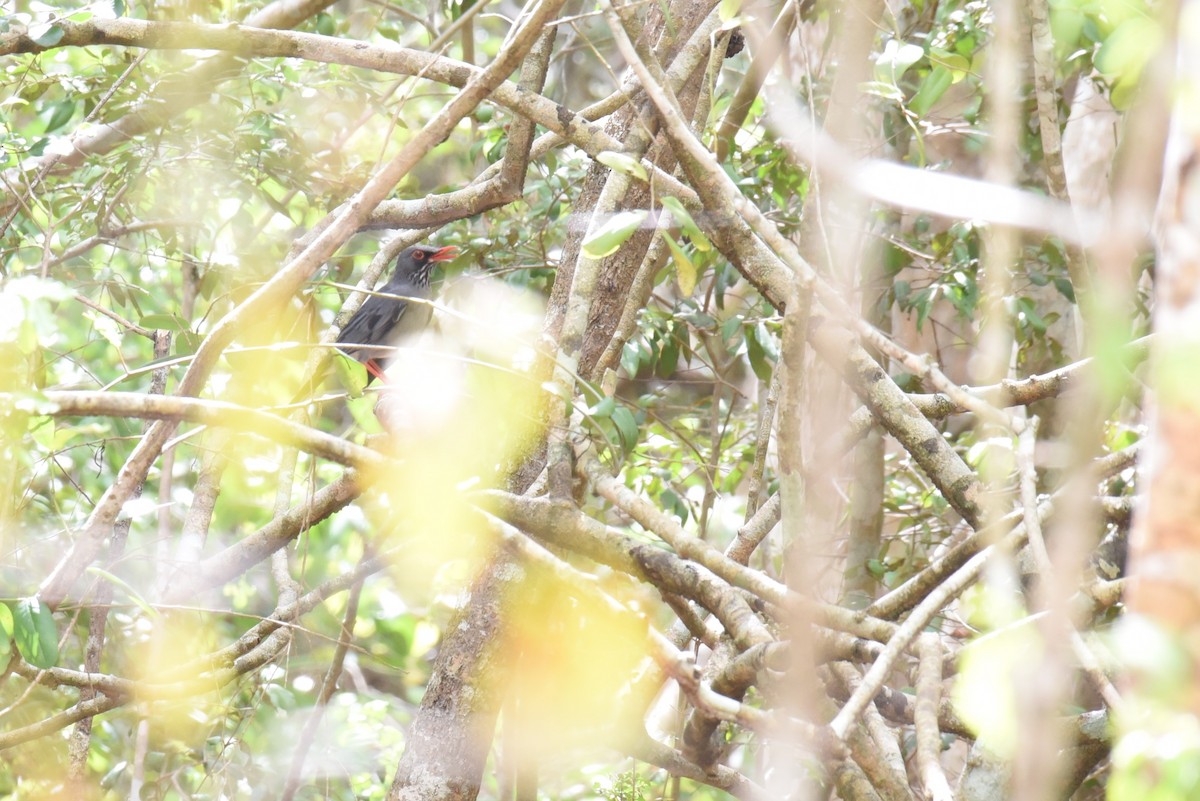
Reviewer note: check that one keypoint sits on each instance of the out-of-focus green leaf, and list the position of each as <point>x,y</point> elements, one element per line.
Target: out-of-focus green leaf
<point>932,89</point>
<point>958,65</point>
<point>631,359</point>
<point>895,60</point>
<point>7,627</point>
<point>47,34</point>
<point>166,322</point>
<point>362,409</point>
<point>627,427</point>
<point>604,408</point>
<point>351,373</point>
<point>623,163</point>
<point>133,594</point>
<point>35,633</point>
<point>681,215</point>
<point>888,91</point>
<point>760,351</point>
<point>1065,288</point>
<point>63,111</point>
<point>187,343</point>
<point>1124,54</point>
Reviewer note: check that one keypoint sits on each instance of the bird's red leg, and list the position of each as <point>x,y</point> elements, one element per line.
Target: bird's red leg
<point>373,368</point>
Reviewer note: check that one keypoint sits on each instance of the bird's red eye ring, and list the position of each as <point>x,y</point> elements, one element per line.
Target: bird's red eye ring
<point>419,255</point>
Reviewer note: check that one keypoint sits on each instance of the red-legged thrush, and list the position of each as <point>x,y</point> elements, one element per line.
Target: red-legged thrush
<point>386,318</point>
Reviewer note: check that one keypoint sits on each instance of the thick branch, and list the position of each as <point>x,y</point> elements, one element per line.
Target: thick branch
<point>261,43</point>
<point>196,410</point>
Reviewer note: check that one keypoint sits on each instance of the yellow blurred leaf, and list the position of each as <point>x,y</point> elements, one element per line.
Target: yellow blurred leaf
<point>985,693</point>
<point>685,271</point>
<point>578,656</point>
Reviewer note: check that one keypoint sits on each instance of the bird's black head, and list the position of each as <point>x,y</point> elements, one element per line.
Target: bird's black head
<point>415,263</point>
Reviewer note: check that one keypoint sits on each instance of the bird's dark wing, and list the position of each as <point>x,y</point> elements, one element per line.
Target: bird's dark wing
<point>372,324</point>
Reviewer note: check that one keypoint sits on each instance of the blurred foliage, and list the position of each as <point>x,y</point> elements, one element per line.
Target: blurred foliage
<point>189,219</point>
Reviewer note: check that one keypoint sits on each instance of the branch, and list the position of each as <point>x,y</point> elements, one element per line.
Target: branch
<point>563,525</point>
<point>1046,91</point>
<point>917,620</point>
<point>897,414</point>
<point>196,410</point>
<point>249,551</point>
<point>929,739</point>
<point>560,524</point>
<point>675,663</point>
<point>250,42</point>
<point>757,247</point>
<point>283,285</point>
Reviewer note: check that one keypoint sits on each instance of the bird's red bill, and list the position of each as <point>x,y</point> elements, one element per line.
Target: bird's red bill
<point>445,254</point>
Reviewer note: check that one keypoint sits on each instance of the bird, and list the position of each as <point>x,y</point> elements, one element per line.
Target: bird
<point>386,318</point>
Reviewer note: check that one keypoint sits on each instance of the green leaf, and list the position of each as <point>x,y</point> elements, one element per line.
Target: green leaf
<point>1029,310</point>
<point>35,633</point>
<point>280,697</point>
<point>117,292</point>
<point>622,163</point>
<point>631,360</point>
<point>729,9</point>
<point>627,427</point>
<point>671,502</point>
<point>1125,52</point>
<point>958,65</point>
<point>685,271</point>
<point>6,630</point>
<point>896,59</point>
<point>187,343</point>
<point>604,408</point>
<point>923,303</point>
<point>756,350</point>
<point>668,357</point>
<point>730,327</point>
<point>888,91</point>
<point>118,7</point>
<point>351,372</point>
<point>673,205</point>
<point>63,111</point>
<point>41,429</point>
<point>612,234</point>
<point>46,35</point>
<point>166,322</point>
<point>362,409</point>
<point>133,594</point>
<point>932,89</point>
